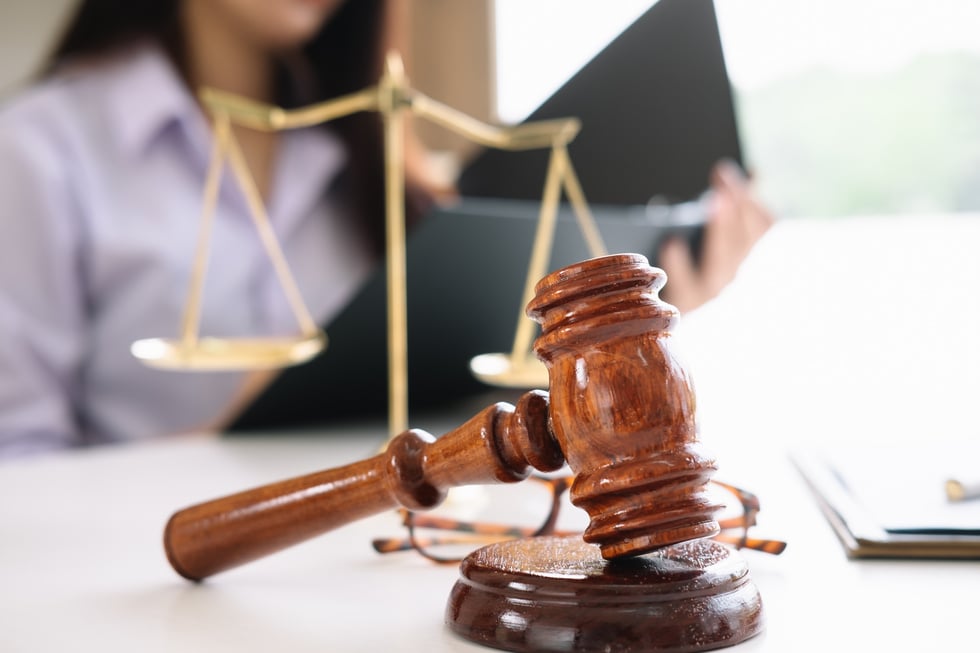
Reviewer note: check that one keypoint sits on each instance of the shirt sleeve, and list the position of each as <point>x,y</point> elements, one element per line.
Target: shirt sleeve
<point>42,306</point>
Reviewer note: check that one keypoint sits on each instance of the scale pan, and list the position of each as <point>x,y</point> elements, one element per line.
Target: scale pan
<point>226,354</point>
<point>499,370</point>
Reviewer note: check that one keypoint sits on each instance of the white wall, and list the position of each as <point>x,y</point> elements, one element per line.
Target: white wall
<point>27,30</point>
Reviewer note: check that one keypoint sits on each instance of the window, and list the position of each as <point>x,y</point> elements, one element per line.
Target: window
<point>858,106</point>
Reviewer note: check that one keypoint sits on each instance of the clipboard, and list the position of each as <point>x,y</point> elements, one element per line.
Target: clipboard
<point>889,502</point>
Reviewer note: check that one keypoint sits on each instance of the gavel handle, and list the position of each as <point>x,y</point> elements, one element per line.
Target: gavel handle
<point>500,444</point>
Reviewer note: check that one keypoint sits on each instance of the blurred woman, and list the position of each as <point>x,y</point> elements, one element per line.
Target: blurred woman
<point>103,162</point>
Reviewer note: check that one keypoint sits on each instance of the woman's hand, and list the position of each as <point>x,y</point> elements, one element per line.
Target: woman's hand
<point>736,221</point>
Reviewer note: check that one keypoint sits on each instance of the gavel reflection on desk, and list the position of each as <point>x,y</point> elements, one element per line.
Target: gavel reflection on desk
<point>621,414</point>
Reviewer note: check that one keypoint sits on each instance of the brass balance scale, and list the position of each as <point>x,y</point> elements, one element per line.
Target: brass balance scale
<point>392,97</point>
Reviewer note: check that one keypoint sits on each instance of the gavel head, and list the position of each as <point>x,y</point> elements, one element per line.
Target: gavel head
<point>622,407</point>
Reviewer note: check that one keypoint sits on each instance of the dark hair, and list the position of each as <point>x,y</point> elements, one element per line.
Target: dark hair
<point>345,56</point>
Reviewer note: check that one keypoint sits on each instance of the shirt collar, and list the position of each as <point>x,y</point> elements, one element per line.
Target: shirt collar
<point>145,95</point>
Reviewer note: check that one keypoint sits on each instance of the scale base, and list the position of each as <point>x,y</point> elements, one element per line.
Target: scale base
<point>559,594</point>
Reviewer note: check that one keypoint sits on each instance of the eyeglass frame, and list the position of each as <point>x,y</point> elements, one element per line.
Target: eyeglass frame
<point>487,533</point>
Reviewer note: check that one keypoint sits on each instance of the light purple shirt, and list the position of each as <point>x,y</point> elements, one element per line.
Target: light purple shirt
<point>101,178</point>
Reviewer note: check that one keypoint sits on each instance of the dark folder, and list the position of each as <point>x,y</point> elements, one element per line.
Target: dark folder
<point>657,113</point>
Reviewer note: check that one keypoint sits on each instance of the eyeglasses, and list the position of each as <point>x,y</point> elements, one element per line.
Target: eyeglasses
<point>446,538</point>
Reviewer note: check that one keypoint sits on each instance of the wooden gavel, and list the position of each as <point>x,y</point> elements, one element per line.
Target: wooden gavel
<point>621,414</point>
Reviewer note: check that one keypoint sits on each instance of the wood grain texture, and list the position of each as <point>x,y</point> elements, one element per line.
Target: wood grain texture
<point>558,594</point>
<point>623,408</point>
<point>500,444</point>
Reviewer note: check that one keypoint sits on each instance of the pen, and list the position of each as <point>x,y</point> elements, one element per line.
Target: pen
<point>960,491</point>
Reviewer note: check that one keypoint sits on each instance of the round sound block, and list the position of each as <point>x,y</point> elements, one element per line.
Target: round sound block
<point>560,594</point>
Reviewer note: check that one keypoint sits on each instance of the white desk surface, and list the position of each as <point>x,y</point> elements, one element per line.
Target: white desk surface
<point>810,345</point>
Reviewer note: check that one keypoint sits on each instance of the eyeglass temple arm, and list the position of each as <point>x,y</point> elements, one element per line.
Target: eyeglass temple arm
<point>500,444</point>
